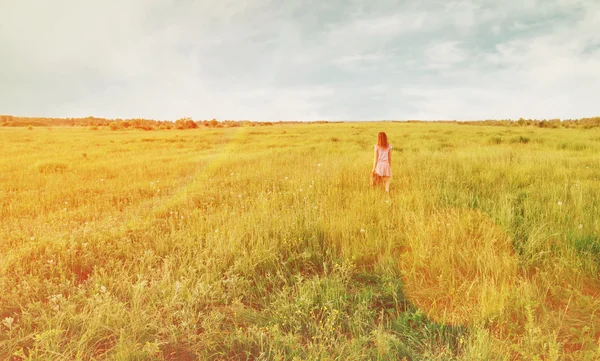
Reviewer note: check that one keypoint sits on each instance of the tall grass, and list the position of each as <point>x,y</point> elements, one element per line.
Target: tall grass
<point>239,243</point>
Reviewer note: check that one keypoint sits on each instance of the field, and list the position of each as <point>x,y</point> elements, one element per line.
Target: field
<point>267,243</point>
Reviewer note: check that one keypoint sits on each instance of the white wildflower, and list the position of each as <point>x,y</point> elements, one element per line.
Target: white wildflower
<point>8,321</point>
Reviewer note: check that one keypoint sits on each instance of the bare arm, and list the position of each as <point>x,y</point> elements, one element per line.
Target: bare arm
<point>374,159</point>
<point>390,157</point>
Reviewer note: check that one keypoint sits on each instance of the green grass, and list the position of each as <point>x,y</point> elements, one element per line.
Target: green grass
<point>268,243</point>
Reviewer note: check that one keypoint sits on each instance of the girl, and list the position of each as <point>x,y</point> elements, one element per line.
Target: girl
<point>383,159</point>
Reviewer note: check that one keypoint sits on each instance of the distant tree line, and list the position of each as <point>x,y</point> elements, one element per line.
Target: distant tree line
<point>585,123</point>
<point>119,124</point>
<point>189,123</point>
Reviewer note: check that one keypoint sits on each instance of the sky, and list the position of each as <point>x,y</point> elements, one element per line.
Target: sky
<point>270,60</point>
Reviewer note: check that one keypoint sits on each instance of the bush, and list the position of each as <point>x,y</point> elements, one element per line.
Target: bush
<point>114,126</point>
<point>496,140</point>
<point>52,167</point>
<point>520,139</point>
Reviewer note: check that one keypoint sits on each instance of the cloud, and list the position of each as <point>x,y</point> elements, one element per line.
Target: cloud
<point>444,55</point>
<point>270,60</point>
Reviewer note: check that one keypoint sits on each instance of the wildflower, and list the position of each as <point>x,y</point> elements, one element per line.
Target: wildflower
<point>362,230</point>
<point>560,203</point>
<point>102,289</point>
<point>217,230</point>
<point>50,261</point>
<point>318,165</point>
<point>32,238</point>
<point>84,244</point>
<point>8,321</point>
<point>580,226</point>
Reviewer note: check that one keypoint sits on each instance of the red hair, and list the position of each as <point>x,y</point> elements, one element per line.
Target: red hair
<point>382,141</point>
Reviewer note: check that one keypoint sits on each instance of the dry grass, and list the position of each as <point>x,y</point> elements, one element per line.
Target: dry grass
<point>458,266</point>
<point>239,243</point>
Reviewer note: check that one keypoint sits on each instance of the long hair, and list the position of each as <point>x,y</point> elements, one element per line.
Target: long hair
<point>382,141</point>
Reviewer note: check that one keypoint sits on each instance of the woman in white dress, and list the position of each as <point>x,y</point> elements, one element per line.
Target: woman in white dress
<point>382,163</point>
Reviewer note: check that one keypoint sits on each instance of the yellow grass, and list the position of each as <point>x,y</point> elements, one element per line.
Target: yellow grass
<point>268,243</point>
<point>458,266</point>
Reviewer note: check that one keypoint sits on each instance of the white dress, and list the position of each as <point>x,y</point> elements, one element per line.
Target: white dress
<point>383,161</point>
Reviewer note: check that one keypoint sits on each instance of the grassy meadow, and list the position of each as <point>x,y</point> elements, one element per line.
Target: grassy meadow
<point>267,243</point>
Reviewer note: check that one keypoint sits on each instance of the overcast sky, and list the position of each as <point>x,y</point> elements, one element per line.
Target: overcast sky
<point>300,59</point>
